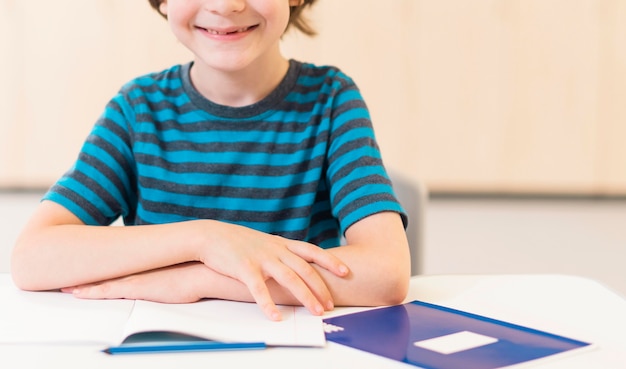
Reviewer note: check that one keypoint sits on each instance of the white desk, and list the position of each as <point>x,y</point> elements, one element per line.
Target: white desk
<point>570,306</point>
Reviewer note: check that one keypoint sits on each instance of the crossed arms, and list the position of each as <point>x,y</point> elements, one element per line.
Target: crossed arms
<point>188,261</point>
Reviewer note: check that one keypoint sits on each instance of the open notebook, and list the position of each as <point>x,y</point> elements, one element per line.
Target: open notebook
<point>53,317</point>
<point>215,325</point>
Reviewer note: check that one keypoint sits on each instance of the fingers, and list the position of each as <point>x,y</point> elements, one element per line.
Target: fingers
<point>94,291</point>
<point>261,295</point>
<point>291,268</point>
<point>296,276</point>
<point>173,284</point>
<point>319,256</point>
<point>305,284</point>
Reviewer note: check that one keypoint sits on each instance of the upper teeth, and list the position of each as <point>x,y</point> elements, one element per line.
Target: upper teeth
<point>214,32</point>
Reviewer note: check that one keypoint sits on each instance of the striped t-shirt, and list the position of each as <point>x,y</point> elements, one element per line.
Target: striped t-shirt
<point>302,163</point>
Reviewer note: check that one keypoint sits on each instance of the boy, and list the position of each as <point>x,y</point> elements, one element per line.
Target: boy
<point>236,175</point>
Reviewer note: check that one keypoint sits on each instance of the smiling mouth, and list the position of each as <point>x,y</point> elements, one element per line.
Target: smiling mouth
<point>221,33</point>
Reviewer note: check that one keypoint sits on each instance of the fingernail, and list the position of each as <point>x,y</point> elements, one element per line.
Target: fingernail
<point>276,316</point>
<point>343,269</point>
<point>330,305</point>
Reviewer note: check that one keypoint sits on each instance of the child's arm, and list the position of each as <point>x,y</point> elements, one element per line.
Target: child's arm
<point>378,256</point>
<point>378,259</point>
<point>56,250</point>
<point>377,253</point>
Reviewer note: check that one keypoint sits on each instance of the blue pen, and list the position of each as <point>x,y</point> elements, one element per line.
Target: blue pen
<point>184,346</point>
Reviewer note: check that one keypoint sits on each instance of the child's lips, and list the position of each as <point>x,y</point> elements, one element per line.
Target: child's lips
<point>227,31</point>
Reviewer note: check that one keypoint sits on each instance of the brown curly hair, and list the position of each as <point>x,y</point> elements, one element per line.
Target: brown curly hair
<point>296,18</point>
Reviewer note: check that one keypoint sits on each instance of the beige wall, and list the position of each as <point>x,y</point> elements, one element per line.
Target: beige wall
<point>62,61</point>
<point>469,96</point>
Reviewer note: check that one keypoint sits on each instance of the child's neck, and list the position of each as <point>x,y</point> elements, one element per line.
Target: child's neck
<point>242,87</point>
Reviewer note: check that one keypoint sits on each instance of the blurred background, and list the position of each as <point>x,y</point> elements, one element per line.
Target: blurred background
<point>510,113</point>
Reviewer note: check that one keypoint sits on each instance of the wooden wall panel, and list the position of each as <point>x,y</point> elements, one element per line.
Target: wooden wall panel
<point>495,96</point>
<point>60,68</point>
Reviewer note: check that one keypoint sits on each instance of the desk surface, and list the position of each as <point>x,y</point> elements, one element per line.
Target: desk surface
<point>566,305</point>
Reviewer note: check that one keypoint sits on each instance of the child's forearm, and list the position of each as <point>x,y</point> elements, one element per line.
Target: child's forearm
<point>378,262</point>
<point>56,251</point>
<point>373,281</point>
<point>56,256</point>
<point>378,256</point>
<point>182,283</point>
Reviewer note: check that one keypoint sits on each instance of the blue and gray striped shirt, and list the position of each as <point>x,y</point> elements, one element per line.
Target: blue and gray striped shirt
<point>302,163</point>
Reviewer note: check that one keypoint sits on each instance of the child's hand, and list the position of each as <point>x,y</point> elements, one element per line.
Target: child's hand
<point>253,258</point>
<point>175,284</point>
<point>250,258</point>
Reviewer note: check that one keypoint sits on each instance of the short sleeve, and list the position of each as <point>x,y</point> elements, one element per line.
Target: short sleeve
<point>359,184</point>
<point>100,186</point>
